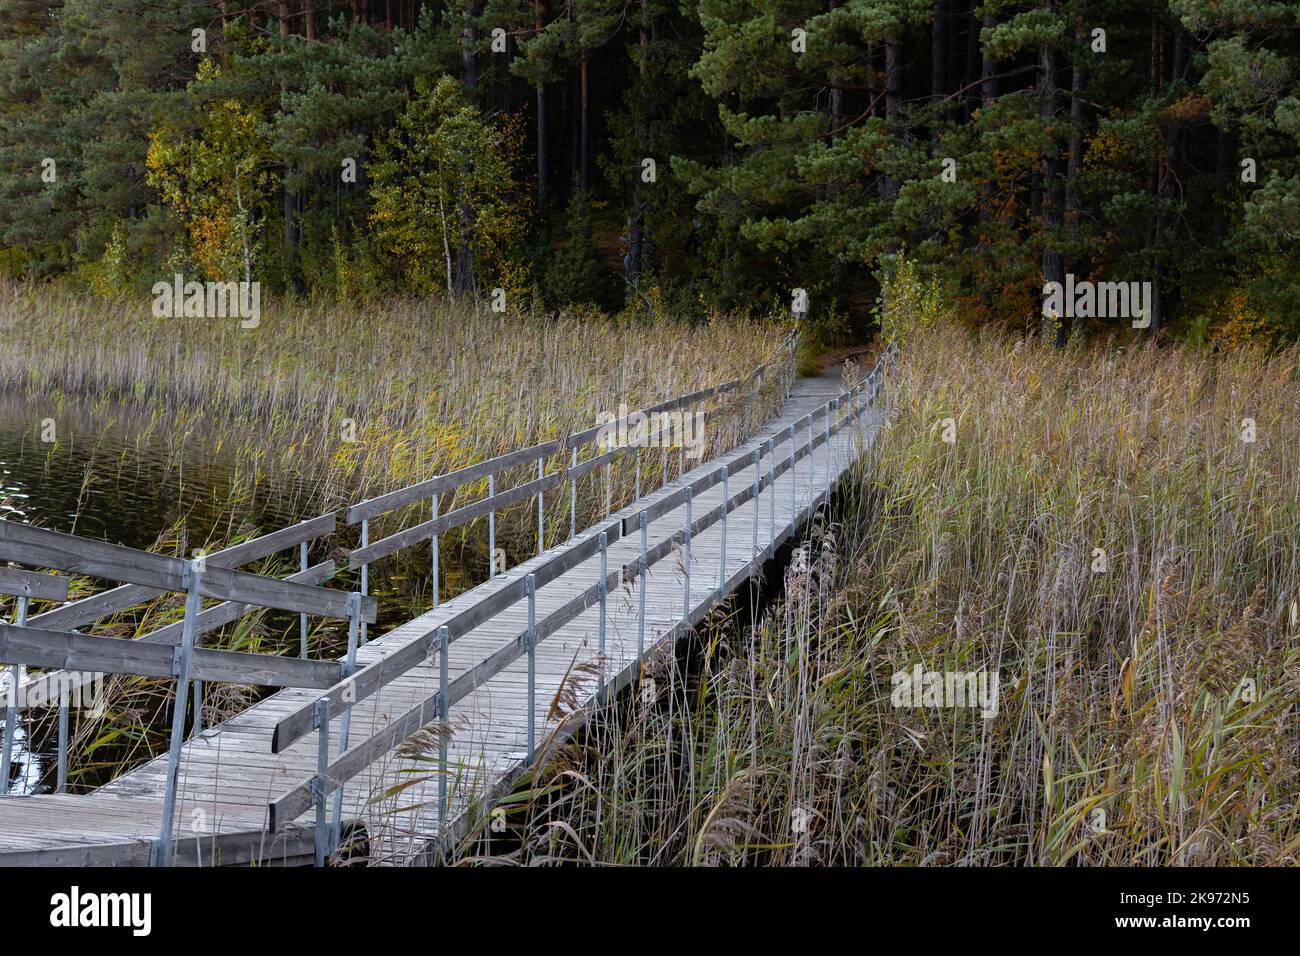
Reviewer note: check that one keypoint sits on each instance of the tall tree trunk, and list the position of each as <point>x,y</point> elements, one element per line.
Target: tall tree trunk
<point>988,93</point>
<point>309,19</point>
<point>837,94</point>
<point>938,65</point>
<point>1158,174</point>
<point>635,237</point>
<point>1223,156</point>
<point>893,102</point>
<point>289,197</point>
<point>541,122</point>
<point>1053,267</point>
<point>1078,86</point>
<point>468,50</point>
<point>586,135</point>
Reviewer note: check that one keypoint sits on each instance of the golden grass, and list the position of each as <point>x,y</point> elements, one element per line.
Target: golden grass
<point>1147,713</point>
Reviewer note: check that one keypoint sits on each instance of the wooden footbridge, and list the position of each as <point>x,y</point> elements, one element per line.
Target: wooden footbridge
<point>405,743</point>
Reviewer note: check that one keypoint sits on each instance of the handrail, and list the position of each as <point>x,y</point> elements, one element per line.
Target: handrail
<point>373,677</point>
<point>115,562</point>
<point>331,776</point>
<point>420,491</point>
<point>90,609</point>
<point>49,639</point>
<point>172,654</point>
<point>34,586</point>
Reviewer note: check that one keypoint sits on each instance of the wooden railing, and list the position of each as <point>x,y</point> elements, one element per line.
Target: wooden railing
<point>25,645</point>
<point>71,660</point>
<point>332,774</point>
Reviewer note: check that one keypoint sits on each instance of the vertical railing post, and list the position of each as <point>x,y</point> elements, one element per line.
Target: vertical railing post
<point>302,618</point>
<point>541,508</point>
<point>192,581</point>
<point>61,780</point>
<point>319,785</point>
<point>812,463</point>
<point>603,539</point>
<point>349,666</point>
<point>444,730</point>
<point>794,476</point>
<point>573,495</point>
<point>492,531</point>
<point>609,487</point>
<point>771,496</point>
<point>726,500</point>
<point>435,561</point>
<point>686,561</point>
<point>530,638</point>
<point>11,707</point>
<point>640,621</point>
<point>365,569</point>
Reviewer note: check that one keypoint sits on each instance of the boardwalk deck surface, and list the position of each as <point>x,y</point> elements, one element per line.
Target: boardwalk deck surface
<point>229,773</point>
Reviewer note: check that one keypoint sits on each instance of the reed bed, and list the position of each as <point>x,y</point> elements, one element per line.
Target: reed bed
<point>1100,534</point>
<point>373,395</point>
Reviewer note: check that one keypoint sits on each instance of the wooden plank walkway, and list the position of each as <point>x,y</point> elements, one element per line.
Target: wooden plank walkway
<point>229,774</point>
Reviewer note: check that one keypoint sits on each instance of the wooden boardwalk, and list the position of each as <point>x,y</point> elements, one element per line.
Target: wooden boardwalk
<point>230,774</point>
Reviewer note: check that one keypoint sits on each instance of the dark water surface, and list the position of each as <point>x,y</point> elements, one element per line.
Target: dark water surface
<point>112,474</point>
<point>105,472</point>
<point>115,475</point>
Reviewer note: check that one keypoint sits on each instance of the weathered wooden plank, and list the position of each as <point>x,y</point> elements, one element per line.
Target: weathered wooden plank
<point>452,519</point>
<point>90,609</point>
<point>42,547</point>
<point>29,584</point>
<point>426,489</point>
<point>370,678</point>
<point>38,647</point>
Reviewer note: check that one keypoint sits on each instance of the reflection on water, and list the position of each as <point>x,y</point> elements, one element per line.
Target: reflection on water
<point>104,472</point>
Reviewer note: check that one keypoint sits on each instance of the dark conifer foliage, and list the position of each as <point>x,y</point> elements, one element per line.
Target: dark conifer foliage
<point>695,155</point>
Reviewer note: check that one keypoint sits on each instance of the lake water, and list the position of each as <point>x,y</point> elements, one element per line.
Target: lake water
<point>103,472</point>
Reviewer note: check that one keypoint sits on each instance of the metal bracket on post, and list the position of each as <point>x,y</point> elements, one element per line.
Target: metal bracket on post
<point>11,707</point>
<point>828,437</point>
<point>573,495</point>
<point>603,540</point>
<point>794,478</point>
<point>349,666</point>
<point>192,580</point>
<point>365,569</point>
<point>61,780</point>
<point>444,730</point>
<point>541,509</point>
<point>812,465</point>
<point>319,784</point>
<point>530,640</point>
<point>302,618</point>
<point>492,532</point>
<point>640,621</point>
<point>771,498</point>
<point>726,503</point>
<point>435,561</point>
<point>686,561</point>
